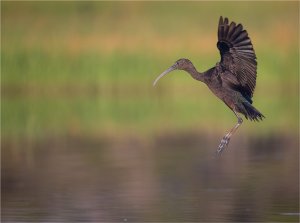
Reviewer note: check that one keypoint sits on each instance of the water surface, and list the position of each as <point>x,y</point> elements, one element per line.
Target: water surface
<point>172,177</point>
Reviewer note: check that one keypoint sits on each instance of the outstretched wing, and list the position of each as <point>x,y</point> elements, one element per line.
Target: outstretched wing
<point>237,56</point>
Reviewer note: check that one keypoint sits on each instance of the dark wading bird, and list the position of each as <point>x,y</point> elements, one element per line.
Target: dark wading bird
<point>233,79</point>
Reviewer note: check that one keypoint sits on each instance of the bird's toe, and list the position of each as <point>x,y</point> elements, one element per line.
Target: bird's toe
<point>224,142</point>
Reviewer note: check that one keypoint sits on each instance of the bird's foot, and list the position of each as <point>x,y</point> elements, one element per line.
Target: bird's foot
<point>223,144</point>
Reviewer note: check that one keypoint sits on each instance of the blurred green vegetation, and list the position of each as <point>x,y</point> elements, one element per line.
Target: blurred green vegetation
<point>86,68</point>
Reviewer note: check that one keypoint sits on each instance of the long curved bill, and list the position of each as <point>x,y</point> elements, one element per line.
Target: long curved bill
<point>164,73</point>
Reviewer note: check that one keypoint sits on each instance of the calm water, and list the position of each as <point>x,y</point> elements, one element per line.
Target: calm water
<point>168,178</point>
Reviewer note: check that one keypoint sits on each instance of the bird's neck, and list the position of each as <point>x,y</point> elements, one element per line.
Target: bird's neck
<point>195,74</point>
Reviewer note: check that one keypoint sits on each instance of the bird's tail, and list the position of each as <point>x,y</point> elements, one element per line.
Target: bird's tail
<point>252,113</point>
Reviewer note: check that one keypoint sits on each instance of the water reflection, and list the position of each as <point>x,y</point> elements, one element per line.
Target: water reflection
<point>172,177</point>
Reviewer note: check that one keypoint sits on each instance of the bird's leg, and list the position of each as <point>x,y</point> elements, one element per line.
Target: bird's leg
<point>225,140</point>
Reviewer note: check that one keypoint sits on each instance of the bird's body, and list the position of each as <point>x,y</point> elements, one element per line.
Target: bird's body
<point>216,79</point>
<point>233,79</point>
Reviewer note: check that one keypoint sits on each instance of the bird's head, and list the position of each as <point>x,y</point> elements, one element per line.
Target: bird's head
<point>181,64</point>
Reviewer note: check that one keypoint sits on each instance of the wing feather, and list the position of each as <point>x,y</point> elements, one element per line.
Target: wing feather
<point>237,57</point>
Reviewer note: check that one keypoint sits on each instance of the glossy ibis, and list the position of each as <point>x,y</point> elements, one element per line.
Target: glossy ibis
<point>233,79</point>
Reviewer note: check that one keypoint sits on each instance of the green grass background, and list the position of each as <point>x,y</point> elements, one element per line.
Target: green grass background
<point>86,68</point>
